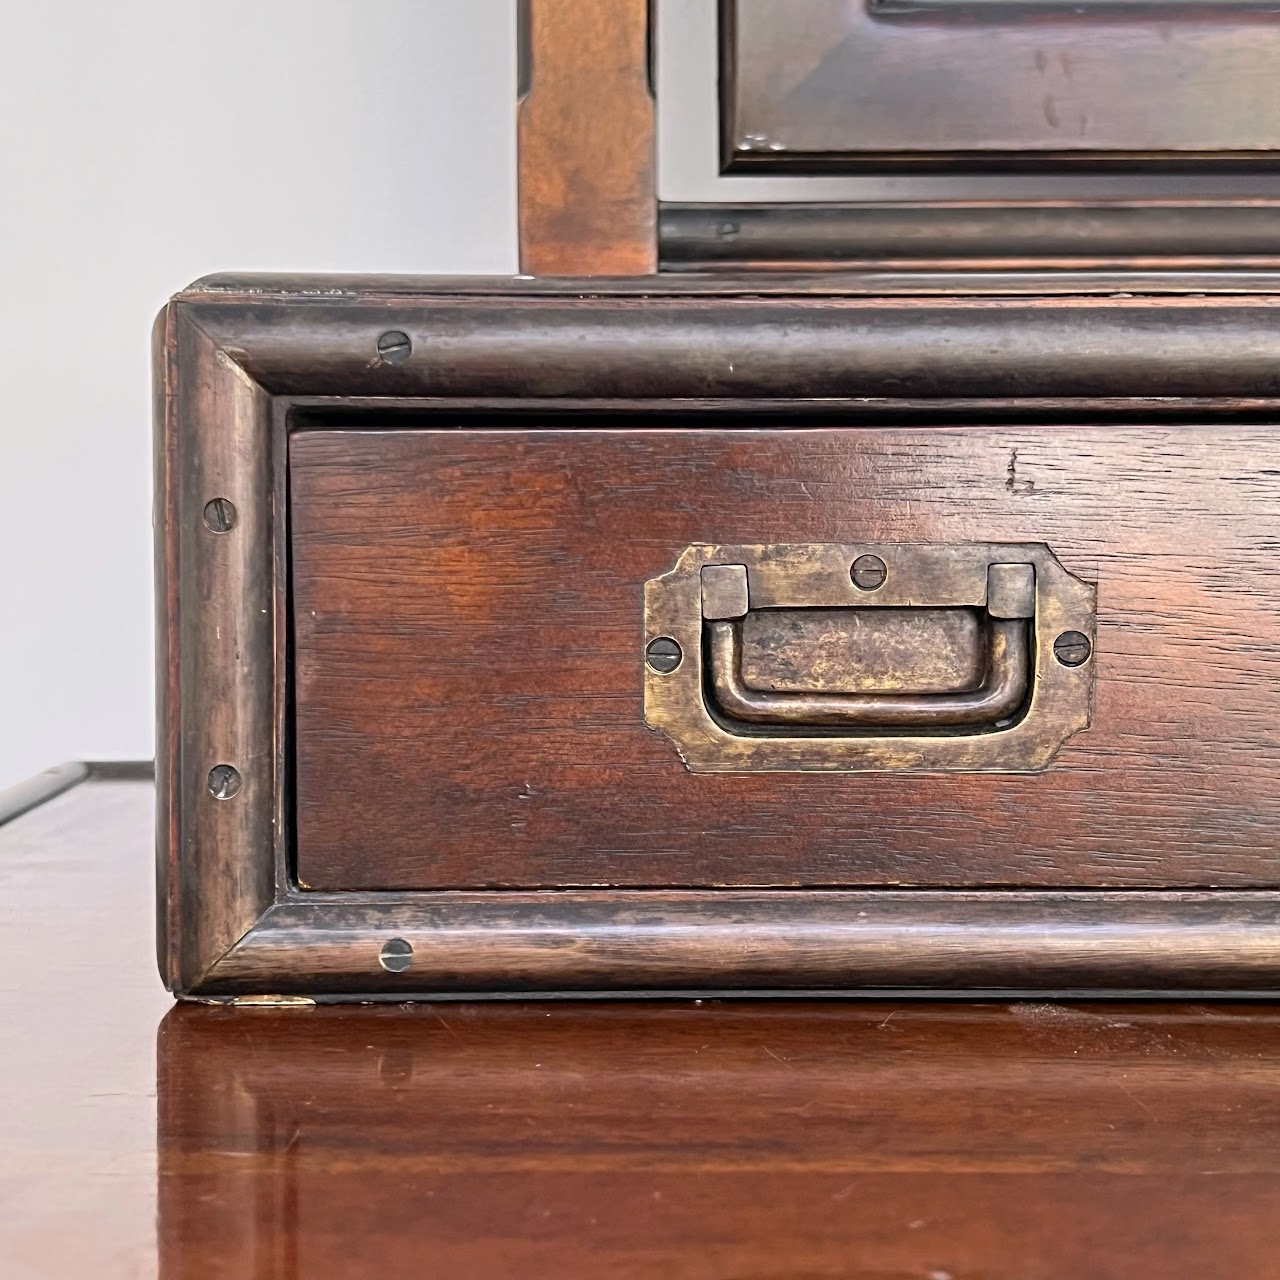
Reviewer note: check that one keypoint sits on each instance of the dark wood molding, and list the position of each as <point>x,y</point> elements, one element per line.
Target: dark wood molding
<point>237,363</point>
<point>859,281</point>
<point>219,678</point>
<point>122,770</point>
<point>972,235</point>
<point>871,941</point>
<point>702,351</point>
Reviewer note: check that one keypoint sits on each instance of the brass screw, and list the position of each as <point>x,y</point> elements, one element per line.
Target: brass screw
<point>396,955</point>
<point>220,515</point>
<point>224,781</point>
<point>394,347</point>
<point>663,655</point>
<point>868,573</point>
<point>1072,648</point>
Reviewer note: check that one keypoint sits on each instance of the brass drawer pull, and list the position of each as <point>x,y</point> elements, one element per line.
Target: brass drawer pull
<point>831,657</point>
<point>1001,693</point>
<point>1010,602</point>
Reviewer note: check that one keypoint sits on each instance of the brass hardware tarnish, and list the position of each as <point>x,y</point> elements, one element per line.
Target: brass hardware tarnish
<point>791,664</point>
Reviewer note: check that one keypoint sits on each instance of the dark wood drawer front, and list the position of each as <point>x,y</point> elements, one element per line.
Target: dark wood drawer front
<point>997,84</point>
<point>464,692</point>
<point>468,610</point>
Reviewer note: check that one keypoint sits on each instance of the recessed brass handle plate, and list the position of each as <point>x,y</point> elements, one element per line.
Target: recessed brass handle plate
<point>844,657</point>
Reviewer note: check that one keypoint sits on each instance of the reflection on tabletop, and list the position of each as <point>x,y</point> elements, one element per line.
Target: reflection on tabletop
<point>704,1139</point>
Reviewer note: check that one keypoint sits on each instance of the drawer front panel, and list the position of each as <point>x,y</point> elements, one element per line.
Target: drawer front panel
<point>468,662</point>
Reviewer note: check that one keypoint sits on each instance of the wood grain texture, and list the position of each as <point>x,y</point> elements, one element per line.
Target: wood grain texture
<point>700,1141</point>
<point>79,1007</point>
<point>665,1140</point>
<point>817,85</point>
<point>217,685</point>
<point>902,943</point>
<point>587,203</point>
<point>468,669</point>
<point>669,1140</point>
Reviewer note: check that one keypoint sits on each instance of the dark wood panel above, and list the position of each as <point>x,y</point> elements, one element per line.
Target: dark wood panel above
<point>973,235</point>
<point>991,85</point>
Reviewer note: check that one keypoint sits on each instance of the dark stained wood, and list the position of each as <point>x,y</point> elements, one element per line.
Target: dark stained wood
<point>972,235</point>
<point>468,657</point>
<point>587,204</point>
<point>733,351</point>
<point>219,664</point>
<point>904,943</point>
<point>79,1005</point>
<point>664,1139</point>
<point>683,1140</point>
<point>817,85</point>
<point>857,282</point>
<point>1183,385</point>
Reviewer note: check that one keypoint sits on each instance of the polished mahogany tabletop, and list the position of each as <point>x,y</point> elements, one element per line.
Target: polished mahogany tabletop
<point>735,1139</point>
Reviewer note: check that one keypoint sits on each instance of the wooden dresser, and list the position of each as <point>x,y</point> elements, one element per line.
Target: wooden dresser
<point>873,597</point>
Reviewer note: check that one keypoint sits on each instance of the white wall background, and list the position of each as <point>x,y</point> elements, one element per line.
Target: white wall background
<point>144,143</point>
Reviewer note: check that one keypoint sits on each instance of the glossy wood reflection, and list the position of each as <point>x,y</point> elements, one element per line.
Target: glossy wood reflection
<point>700,1140</point>
<point>789,1140</point>
<point>79,1003</point>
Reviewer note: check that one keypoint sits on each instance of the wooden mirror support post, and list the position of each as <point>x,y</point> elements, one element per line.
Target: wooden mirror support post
<point>586,139</point>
